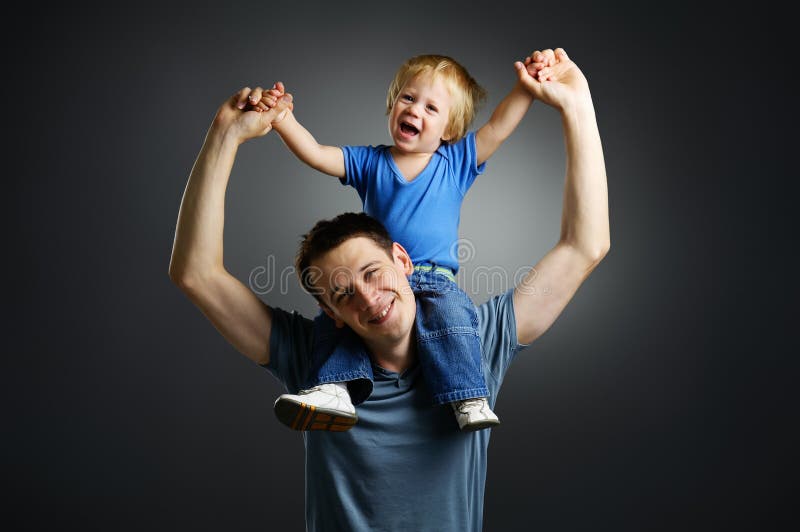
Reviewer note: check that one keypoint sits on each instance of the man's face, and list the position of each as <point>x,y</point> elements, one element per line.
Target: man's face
<point>362,287</point>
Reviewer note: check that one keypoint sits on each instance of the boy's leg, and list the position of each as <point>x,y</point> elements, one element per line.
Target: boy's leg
<point>340,376</point>
<point>450,349</point>
<point>339,355</point>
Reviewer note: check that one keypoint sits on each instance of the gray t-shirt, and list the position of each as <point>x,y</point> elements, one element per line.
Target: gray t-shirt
<point>405,465</point>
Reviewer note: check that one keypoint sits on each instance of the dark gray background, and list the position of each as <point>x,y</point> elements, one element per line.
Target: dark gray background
<point>659,400</point>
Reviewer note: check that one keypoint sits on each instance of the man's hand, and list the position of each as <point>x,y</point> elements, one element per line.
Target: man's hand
<point>244,121</point>
<point>264,100</point>
<point>553,78</point>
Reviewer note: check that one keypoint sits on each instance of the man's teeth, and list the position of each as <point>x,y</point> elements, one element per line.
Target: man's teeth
<point>382,313</point>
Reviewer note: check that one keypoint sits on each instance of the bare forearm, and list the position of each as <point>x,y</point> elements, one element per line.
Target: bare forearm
<point>544,293</point>
<point>585,223</point>
<point>504,120</point>
<point>197,249</point>
<point>326,159</point>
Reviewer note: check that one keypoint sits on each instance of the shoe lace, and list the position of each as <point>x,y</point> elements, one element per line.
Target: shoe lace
<point>323,388</point>
<point>313,389</point>
<point>469,403</point>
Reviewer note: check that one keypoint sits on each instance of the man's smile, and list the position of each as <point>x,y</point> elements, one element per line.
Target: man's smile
<point>383,315</point>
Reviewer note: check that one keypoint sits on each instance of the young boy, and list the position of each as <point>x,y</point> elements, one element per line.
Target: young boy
<point>415,187</point>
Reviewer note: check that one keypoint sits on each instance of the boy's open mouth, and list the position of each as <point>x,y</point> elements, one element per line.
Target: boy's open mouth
<point>408,129</point>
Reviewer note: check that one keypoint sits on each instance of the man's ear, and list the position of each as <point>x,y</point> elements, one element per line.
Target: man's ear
<point>327,310</point>
<point>401,259</point>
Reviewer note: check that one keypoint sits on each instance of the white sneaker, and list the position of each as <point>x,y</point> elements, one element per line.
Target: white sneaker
<point>323,407</point>
<point>474,414</point>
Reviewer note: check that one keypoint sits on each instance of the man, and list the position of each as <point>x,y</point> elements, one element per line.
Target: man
<point>405,465</point>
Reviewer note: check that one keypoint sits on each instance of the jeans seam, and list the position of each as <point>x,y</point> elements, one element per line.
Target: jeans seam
<point>460,395</point>
<point>454,331</point>
<point>343,377</point>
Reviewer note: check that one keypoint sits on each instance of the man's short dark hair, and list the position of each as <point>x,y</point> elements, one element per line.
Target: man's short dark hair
<point>328,234</point>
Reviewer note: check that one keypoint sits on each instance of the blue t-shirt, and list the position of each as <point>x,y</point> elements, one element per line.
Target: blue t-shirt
<point>422,214</point>
<point>405,466</point>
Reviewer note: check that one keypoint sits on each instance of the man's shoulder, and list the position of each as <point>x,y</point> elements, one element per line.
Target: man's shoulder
<point>290,322</point>
<point>497,327</point>
<point>290,342</point>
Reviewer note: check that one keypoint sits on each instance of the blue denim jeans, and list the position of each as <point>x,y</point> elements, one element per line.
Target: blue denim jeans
<point>448,345</point>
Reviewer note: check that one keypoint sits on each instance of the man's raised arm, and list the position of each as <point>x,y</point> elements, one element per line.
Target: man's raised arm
<point>585,237</point>
<point>196,265</point>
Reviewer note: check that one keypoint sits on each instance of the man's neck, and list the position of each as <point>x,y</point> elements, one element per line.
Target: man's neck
<point>397,358</point>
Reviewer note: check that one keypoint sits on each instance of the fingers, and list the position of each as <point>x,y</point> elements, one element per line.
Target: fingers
<point>562,66</point>
<point>527,77</point>
<point>537,61</point>
<point>240,98</point>
<point>543,58</point>
<point>262,100</point>
<point>270,98</point>
<point>541,63</point>
<point>525,69</point>
<point>545,74</point>
<point>257,100</point>
<point>284,104</point>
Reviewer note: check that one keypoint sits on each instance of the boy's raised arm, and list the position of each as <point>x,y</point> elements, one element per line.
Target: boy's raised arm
<point>504,120</point>
<point>326,159</point>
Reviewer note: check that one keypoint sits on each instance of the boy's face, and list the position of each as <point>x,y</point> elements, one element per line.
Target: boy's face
<point>420,115</point>
<point>361,286</point>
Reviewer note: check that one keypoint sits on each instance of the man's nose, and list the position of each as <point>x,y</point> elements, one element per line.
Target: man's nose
<point>366,296</point>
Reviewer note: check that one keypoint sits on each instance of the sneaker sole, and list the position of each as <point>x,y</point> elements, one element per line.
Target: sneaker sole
<point>301,416</point>
<point>480,425</point>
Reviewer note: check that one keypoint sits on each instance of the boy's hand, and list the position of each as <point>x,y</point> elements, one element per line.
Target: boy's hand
<point>537,61</point>
<point>236,117</point>
<point>553,78</point>
<point>533,64</point>
<point>263,100</point>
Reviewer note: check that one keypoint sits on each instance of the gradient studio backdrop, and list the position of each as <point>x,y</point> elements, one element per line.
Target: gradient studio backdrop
<point>641,409</point>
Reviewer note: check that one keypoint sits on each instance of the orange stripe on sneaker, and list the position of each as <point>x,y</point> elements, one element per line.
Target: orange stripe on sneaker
<point>300,411</point>
<point>310,417</point>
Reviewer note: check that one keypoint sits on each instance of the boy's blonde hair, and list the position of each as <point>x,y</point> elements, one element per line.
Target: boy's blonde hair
<point>466,93</point>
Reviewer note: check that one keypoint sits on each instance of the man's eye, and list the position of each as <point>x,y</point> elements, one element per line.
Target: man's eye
<point>340,296</point>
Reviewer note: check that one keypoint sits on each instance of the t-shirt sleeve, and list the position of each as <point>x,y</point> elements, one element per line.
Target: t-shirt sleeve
<point>463,157</point>
<point>497,325</point>
<point>359,161</point>
<point>290,348</point>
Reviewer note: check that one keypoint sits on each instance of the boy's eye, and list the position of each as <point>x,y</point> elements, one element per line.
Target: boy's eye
<point>432,108</point>
<point>407,97</point>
